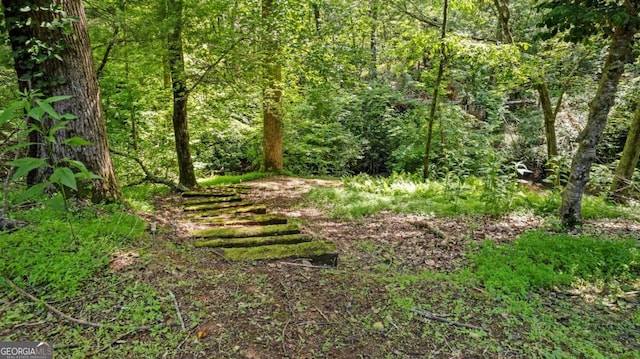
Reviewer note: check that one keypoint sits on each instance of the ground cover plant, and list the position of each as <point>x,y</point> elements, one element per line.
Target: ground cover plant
<point>407,285</point>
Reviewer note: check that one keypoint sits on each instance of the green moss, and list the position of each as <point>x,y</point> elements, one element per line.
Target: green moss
<point>214,206</point>
<point>255,231</point>
<point>254,241</point>
<point>301,250</point>
<point>252,220</point>
<point>209,200</point>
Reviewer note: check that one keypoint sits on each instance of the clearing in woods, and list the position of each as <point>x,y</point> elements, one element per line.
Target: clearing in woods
<point>400,288</point>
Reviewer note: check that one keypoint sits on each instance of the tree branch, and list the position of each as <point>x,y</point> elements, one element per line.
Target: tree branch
<point>107,52</point>
<point>64,316</point>
<point>149,177</point>
<point>213,65</point>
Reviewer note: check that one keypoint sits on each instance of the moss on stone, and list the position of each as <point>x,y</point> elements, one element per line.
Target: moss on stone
<point>214,206</point>
<point>254,241</point>
<point>208,200</point>
<point>322,252</point>
<point>240,232</point>
<point>251,220</point>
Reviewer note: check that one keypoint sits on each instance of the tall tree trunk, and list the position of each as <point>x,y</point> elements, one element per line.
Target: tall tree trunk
<point>628,160</point>
<point>504,16</point>
<point>180,95</point>
<point>619,52</point>
<point>71,74</point>
<point>549,115</point>
<point>273,126</point>
<point>373,39</point>
<point>436,90</point>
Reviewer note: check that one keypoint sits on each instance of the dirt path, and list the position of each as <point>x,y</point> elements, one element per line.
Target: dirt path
<point>284,310</point>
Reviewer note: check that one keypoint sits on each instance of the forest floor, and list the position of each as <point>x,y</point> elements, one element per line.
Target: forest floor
<point>399,291</point>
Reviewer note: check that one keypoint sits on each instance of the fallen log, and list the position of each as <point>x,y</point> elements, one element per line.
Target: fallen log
<point>240,232</point>
<point>192,202</point>
<point>255,209</point>
<point>254,241</point>
<point>214,206</point>
<point>317,252</point>
<point>254,220</point>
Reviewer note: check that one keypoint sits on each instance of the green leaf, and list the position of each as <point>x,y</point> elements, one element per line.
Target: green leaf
<point>57,127</point>
<point>76,141</point>
<point>25,165</point>
<point>65,177</point>
<point>48,109</point>
<point>31,192</point>
<point>57,98</point>
<point>36,113</point>
<point>18,146</point>
<point>84,173</point>
<point>10,112</point>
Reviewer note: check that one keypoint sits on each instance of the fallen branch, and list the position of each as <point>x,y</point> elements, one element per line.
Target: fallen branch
<point>424,315</point>
<point>149,177</point>
<point>67,317</point>
<point>175,304</point>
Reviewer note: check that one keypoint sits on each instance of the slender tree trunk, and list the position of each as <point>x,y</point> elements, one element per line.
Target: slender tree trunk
<point>436,89</point>
<point>549,119</point>
<point>180,95</point>
<point>74,75</point>
<point>619,52</point>
<point>628,160</point>
<point>272,92</point>
<point>373,39</point>
<point>504,16</point>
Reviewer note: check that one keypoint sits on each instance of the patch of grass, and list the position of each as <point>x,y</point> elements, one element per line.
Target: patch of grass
<point>43,255</point>
<point>365,195</point>
<point>540,260</point>
<point>140,197</point>
<point>233,179</point>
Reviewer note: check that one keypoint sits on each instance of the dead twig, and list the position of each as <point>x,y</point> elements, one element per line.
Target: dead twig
<point>424,315</point>
<point>67,317</point>
<point>175,304</point>
<point>304,265</point>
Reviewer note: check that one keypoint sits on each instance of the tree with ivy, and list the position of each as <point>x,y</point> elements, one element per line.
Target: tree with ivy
<point>576,21</point>
<point>52,55</point>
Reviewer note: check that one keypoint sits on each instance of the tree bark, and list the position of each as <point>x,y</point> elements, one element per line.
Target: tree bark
<point>273,126</point>
<point>628,160</point>
<point>619,52</point>
<point>504,16</point>
<point>187,176</point>
<point>549,115</point>
<point>71,74</point>
<point>436,90</point>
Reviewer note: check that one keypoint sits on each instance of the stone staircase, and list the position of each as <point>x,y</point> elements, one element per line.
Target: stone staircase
<point>243,230</point>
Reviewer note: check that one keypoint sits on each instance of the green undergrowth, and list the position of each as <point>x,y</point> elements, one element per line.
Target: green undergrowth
<point>365,195</point>
<point>539,260</point>
<point>43,255</point>
<point>140,197</point>
<point>233,179</point>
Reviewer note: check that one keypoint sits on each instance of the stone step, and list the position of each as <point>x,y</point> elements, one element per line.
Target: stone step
<point>254,241</point>
<point>317,252</point>
<point>214,206</point>
<point>207,200</point>
<point>251,220</point>
<point>240,232</point>
<point>254,209</point>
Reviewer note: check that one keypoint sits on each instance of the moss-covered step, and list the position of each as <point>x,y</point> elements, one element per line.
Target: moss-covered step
<point>207,200</point>
<point>317,252</point>
<point>254,209</point>
<point>254,241</point>
<point>250,220</point>
<point>240,232</point>
<point>214,206</point>
<point>191,194</point>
